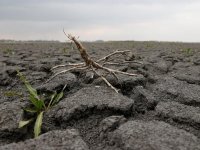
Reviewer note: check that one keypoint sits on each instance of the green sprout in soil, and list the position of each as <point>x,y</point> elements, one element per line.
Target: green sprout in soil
<point>64,50</point>
<point>187,51</point>
<point>149,45</point>
<point>9,51</point>
<point>38,106</point>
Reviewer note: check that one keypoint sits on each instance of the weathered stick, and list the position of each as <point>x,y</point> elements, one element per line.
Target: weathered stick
<point>94,65</point>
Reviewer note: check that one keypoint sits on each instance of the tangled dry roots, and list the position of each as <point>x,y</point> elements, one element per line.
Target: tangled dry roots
<point>91,65</point>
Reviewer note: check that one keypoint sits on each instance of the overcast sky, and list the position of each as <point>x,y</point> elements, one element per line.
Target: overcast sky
<point>160,20</point>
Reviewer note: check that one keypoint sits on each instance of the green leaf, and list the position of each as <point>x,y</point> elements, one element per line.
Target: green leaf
<point>30,89</point>
<point>37,103</point>
<point>23,123</point>
<point>42,103</point>
<point>38,124</point>
<point>22,78</point>
<point>52,99</point>
<point>57,98</point>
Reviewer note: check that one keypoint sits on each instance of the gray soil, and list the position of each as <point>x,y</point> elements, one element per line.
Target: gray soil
<point>157,110</point>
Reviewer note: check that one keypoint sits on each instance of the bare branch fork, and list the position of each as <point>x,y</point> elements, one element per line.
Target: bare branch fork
<point>92,65</point>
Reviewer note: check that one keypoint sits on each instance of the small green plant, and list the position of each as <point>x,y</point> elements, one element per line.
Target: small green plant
<point>9,51</point>
<point>187,51</point>
<point>64,50</point>
<point>148,45</point>
<point>38,105</point>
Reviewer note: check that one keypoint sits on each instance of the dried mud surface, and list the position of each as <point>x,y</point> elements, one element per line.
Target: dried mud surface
<point>157,110</point>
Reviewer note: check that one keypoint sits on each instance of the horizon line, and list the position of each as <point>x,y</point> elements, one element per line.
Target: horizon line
<point>100,41</point>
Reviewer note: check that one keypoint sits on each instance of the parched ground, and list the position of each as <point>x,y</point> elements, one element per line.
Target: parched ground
<point>157,110</point>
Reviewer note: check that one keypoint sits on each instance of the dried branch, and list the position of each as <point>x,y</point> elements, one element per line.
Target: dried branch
<point>114,53</point>
<point>92,65</point>
<point>67,65</point>
<point>105,80</point>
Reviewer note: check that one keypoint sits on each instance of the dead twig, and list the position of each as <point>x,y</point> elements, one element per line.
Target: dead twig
<point>120,63</point>
<point>91,65</point>
<point>114,53</point>
<point>105,80</point>
<point>68,65</point>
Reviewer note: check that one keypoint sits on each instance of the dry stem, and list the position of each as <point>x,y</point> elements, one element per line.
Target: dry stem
<point>94,65</point>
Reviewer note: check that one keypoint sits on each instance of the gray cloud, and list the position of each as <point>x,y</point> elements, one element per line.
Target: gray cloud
<point>92,19</point>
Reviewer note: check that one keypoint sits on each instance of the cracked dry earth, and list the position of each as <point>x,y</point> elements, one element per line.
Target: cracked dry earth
<point>157,110</point>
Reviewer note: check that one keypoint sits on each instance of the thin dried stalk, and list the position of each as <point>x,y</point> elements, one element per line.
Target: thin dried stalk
<point>92,65</point>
